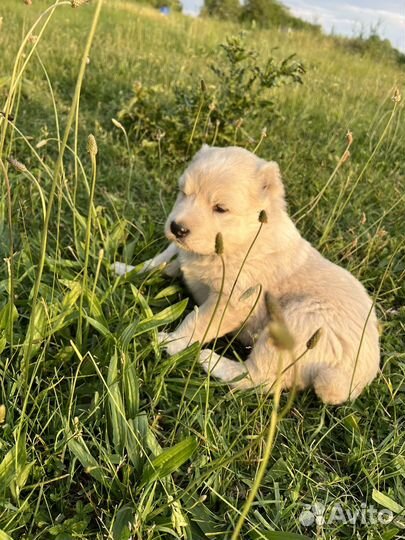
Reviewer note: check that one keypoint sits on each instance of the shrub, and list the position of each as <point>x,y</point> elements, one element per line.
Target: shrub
<point>373,46</point>
<point>266,13</point>
<point>219,112</point>
<point>222,9</point>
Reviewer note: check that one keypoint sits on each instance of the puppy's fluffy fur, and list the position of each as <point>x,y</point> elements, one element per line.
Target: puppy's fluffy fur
<point>224,190</point>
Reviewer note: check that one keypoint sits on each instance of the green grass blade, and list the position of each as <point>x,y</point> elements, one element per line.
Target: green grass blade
<point>164,317</point>
<point>387,502</point>
<point>79,449</point>
<point>169,460</point>
<point>120,529</point>
<point>116,406</point>
<point>277,535</point>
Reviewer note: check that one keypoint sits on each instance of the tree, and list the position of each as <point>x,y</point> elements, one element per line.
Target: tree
<point>267,13</point>
<point>222,9</point>
<point>174,5</point>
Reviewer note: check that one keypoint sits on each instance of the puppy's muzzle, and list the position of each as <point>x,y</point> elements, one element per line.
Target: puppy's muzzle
<point>179,230</point>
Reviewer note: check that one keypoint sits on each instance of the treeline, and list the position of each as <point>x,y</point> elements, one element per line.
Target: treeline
<point>373,46</point>
<point>263,13</point>
<point>271,13</point>
<point>174,5</point>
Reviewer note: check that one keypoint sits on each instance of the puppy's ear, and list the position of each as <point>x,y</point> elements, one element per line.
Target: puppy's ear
<point>270,177</point>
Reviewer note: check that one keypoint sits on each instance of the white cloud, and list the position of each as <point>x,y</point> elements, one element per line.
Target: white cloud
<point>354,17</point>
<point>348,18</point>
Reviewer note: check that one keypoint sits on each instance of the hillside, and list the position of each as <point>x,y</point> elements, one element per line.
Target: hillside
<point>90,402</point>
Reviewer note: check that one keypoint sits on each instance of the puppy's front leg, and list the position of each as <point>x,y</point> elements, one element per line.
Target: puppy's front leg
<point>162,258</point>
<point>212,319</point>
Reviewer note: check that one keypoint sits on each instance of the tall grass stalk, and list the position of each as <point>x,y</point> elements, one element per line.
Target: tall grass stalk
<point>57,128</point>
<point>262,221</point>
<point>10,263</point>
<point>383,278</point>
<point>131,163</point>
<point>219,252</point>
<point>249,250</point>
<point>92,150</point>
<point>201,105</point>
<point>271,435</point>
<point>335,216</point>
<point>55,180</point>
<point>27,350</point>
<point>18,72</point>
<point>308,208</point>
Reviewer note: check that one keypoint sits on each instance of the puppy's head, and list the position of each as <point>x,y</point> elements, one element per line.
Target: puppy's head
<point>223,190</point>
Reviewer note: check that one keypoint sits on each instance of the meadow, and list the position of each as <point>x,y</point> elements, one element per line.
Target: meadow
<point>103,435</point>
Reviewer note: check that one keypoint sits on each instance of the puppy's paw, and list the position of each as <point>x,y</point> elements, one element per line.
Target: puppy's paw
<point>162,338</point>
<point>146,266</point>
<point>120,269</point>
<point>224,369</point>
<point>171,343</point>
<point>151,264</point>
<point>210,362</point>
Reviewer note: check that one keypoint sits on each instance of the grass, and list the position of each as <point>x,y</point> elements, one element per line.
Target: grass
<point>102,435</point>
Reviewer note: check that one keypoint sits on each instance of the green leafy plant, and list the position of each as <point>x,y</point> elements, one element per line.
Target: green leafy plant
<point>222,111</point>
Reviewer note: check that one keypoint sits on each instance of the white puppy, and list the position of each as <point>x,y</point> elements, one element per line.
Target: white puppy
<point>224,190</point>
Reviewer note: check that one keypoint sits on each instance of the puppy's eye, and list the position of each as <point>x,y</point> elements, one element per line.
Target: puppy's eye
<point>220,209</point>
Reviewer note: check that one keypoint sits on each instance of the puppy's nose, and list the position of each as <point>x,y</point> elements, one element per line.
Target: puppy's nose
<point>178,230</point>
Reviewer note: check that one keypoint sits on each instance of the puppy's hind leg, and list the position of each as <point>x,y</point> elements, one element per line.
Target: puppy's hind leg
<point>260,369</point>
<point>334,385</point>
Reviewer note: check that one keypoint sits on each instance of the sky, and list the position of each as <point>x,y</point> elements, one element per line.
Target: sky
<point>349,18</point>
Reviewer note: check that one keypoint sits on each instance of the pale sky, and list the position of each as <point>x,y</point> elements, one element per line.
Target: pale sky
<point>348,18</point>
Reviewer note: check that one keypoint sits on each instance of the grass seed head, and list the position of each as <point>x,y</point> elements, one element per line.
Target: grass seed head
<point>219,244</point>
<point>117,124</point>
<point>273,307</point>
<point>263,216</point>
<point>78,3</point>
<point>396,98</point>
<point>10,117</point>
<point>349,136</point>
<point>3,412</point>
<point>313,340</point>
<point>280,336</point>
<point>17,165</point>
<point>345,156</point>
<point>277,328</point>
<point>92,145</point>
<point>137,86</point>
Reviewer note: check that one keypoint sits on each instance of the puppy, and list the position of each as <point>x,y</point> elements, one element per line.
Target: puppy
<point>224,190</point>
